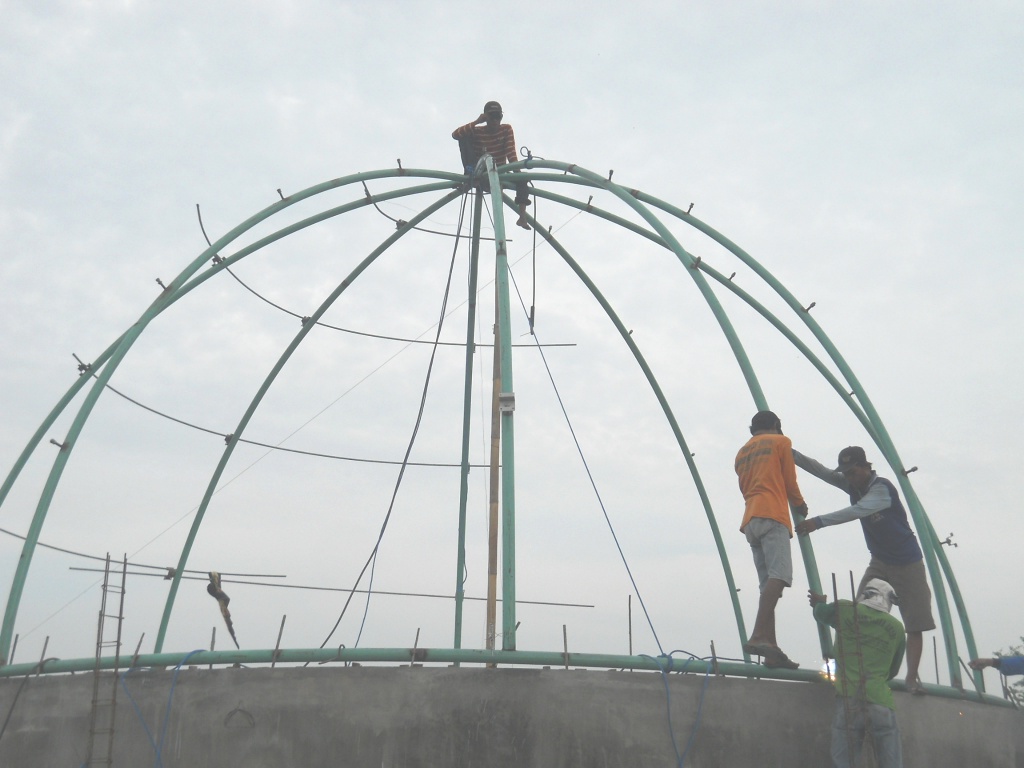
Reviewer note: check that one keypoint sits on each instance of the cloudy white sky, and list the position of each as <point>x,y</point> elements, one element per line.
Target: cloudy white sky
<point>867,154</point>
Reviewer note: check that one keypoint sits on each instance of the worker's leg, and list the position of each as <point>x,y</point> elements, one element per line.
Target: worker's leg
<point>522,200</point>
<point>769,546</point>
<point>847,734</point>
<point>915,604</point>
<point>764,624</point>
<point>915,645</point>
<point>886,736</point>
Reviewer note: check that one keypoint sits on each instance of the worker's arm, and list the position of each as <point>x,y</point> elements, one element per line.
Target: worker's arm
<point>875,500</point>
<point>509,148</point>
<point>467,130</point>
<point>1007,665</point>
<point>897,659</point>
<point>820,471</point>
<point>823,612</point>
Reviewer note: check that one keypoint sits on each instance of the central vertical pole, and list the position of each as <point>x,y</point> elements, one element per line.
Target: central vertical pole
<point>506,407</point>
<point>460,575</point>
<point>493,496</point>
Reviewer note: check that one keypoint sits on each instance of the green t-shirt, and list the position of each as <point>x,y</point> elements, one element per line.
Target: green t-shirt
<point>869,649</point>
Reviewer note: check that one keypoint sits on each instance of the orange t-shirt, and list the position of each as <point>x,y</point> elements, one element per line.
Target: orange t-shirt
<point>767,478</point>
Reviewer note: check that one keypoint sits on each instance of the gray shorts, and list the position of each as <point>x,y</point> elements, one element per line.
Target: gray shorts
<point>915,598</point>
<point>769,543</point>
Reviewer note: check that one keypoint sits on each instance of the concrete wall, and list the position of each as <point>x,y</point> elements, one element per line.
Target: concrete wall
<point>402,717</point>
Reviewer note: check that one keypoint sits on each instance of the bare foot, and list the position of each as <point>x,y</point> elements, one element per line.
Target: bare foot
<point>522,222</point>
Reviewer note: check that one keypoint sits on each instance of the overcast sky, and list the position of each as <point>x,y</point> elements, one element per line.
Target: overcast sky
<point>867,154</point>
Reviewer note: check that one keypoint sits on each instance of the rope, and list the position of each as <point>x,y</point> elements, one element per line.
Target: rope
<point>681,758</point>
<point>157,746</point>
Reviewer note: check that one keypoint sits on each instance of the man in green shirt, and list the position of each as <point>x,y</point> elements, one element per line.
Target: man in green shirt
<point>869,651</point>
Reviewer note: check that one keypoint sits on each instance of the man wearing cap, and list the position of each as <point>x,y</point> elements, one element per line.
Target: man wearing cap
<point>895,554</point>
<point>869,652</point>
<point>487,135</point>
<point>767,478</point>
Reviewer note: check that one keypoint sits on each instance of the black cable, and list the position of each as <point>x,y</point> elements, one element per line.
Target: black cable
<point>586,467</point>
<point>400,222</point>
<point>419,419</point>
<point>139,565</point>
<point>314,588</point>
<point>423,399</point>
<point>314,454</point>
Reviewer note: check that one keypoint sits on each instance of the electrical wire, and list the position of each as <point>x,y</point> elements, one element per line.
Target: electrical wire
<point>315,588</point>
<point>283,449</point>
<point>140,565</point>
<point>401,222</point>
<point>419,420</point>
<point>351,331</point>
<point>86,368</point>
<point>371,560</point>
<point>590,476</point>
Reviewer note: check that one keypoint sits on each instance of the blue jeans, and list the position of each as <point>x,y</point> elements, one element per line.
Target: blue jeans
<point>847,735</point>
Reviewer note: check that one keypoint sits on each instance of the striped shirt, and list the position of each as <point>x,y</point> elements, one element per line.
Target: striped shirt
<point>498,142</point>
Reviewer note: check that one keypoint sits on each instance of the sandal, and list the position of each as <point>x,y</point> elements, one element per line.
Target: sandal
<point>779,660</point>
<point>760,649</point>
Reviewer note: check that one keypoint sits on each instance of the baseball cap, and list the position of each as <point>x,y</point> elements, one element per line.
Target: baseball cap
<point>850,457</point>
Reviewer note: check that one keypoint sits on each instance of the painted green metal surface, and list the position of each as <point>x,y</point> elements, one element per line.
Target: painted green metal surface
<point>543,174</point>
<point>449,656</point>
<point>508,464</point>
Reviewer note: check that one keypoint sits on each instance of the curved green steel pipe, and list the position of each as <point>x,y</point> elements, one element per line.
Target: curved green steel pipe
<point>404,656</point>
<point>264,387</point>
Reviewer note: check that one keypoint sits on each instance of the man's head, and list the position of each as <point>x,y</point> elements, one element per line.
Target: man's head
<point>879,595</point>
<point>765,421</point>
<point>492,111</point>
<point>855,466</point>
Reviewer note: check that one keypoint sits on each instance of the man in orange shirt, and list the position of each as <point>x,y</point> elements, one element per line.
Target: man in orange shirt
<point>767,477</point>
